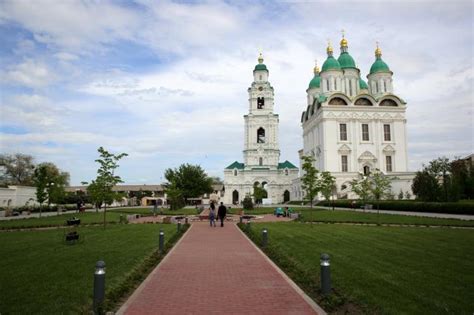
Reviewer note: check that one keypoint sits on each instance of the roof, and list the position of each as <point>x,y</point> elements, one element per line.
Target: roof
<point>260,66</point>
<point>363,85</point>
<point>346,61</point>
<point>315,82</point>
<point>286,164</point>
<point>236,165</point>
<point>331,64</point>
<point>379,66</point>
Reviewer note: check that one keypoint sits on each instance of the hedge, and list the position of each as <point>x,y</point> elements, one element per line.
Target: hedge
<point>407,205</point>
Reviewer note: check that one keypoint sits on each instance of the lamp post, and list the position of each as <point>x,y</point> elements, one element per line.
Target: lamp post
<point>325,274</point>
<point>264,237</point>
<point>161,241</point>
<point>99,285</point>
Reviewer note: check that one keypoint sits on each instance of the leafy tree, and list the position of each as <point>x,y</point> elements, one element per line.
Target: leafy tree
<point>50,183</point>
<point>16,169</point>
<point>247,203</point>
<point>101,188</point>
<point>259,193</point>
<point>327,185</point>
<point>175,196</point>
<point>407,195</point>
<point>189,180</point>
<point>400,195</point>
<point>361,186</point>
<point>310,181</point>
<point>425,186</point>
<point>380,186</point>
<point>441,167</point>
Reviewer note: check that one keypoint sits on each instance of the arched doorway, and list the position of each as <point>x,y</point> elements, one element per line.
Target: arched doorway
<point>235,197</point>
<point>286,196</point>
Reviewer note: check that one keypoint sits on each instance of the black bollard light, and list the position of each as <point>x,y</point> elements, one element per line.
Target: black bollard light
<point>162,241</point>
<point>264,237</point>
<point>186,220</point>
<point>99,285</point>
<point>325,274</point>
<point>241,219</point>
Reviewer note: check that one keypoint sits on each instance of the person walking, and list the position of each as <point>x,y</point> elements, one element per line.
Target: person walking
<point>212,215</point>
<point>221,213</point>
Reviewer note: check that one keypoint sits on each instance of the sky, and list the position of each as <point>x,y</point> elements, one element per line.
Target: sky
<point>166,81</point>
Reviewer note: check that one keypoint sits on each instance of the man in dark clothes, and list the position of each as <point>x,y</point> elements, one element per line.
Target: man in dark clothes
<point>221,212</point>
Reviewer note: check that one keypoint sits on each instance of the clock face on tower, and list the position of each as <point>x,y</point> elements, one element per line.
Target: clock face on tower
<point>260,88</point>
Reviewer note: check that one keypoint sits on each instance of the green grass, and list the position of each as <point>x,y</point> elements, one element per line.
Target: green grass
<point>86,218</point>
<point>384,270</point>
<point>41,275</point>
<point>149,211</point>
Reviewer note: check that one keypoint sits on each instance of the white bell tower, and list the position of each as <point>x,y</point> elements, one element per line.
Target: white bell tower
<point>261,124</point>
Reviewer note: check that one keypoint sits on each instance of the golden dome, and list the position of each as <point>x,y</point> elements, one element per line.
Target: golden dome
<point>378,51</point>
<point>329,49</point>
<point>260,58</point>
<point>316,68</point>
<point>343,42</point>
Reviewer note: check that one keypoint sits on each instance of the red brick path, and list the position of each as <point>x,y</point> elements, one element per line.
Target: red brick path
<point>216,271</point>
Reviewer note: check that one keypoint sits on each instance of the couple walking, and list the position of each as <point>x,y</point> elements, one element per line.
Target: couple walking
<point>221,213</point>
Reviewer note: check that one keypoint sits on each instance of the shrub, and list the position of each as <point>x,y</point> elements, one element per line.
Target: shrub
<point>247,203</point>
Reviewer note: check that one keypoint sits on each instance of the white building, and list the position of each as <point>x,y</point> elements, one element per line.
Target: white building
<point>352,127</point>
<point>261,164</point>
<point>17,196</point>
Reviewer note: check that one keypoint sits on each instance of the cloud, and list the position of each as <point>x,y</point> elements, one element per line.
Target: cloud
<point>30,73</point>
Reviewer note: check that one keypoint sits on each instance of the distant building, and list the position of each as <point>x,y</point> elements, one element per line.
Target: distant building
<point>351,127</point>
<point>17,196</point>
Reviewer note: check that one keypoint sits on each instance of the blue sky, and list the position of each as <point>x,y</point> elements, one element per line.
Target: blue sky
<point>166,81</point>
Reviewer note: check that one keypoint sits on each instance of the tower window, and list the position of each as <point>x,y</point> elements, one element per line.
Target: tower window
<point>388,163</point>
<point>327,85</point>
<point>260,161</point>
<point>235,172</point>
<point>343,132</point>
<point>386,133</point>
<point>286,172</point>
<point>365,132</point>
<point>350,88</point>
<point>261,135</point>
<point>344,167</point>
<point>260,102</point>
<point>260,78</point>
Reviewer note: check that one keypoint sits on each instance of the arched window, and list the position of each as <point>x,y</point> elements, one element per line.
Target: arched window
<point>337,101</point>
<point>260,102</point>
<point>363,102</point>
<point>260,77</point>
<point>385,86</point>
<point>327,85</point>
<point>235,172</point>
<point>388,103</point>
<point>286,172</point>
<point>366,170</point>
<point>260,161</point>
<point>376,87</point>
<point>261,135</point>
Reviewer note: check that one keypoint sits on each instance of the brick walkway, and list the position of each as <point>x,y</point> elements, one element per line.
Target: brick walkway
<point>217,271</point>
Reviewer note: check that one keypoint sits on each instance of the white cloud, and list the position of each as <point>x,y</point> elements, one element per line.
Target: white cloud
<point>30,73</point>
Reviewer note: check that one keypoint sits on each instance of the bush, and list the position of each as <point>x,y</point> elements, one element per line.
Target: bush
<point>247,203</point>
<point>410,205</point>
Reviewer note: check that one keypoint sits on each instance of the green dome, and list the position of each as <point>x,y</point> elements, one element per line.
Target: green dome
<point>346,61</point>
<point>363,85</point>
<point>331,64</point>
<point>315,82</point>
<point>260,66</point>
<point>379,66</point>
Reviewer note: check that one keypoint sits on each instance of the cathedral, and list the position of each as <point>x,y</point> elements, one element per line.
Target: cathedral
<point>261,166</point>
<point>351,126</point>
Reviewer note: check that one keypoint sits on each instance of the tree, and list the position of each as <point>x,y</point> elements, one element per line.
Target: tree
<point>17,169</point>
<point>102,186</point>
<point>327,184</point>
<point>247,203</point>
<point>175,196</point>
<point>380,186</point>
<point>189,180</point>
<point>259,193</point>
<point>361,186</point>
<point>310,181</point>
<point>441,167</point>
<point>425,186</point>
<point>400,195</point>
<point>50,183</point>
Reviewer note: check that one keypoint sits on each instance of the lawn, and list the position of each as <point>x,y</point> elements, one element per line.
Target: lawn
<point>86,218</point>
<point>41,275</point>
<point>386,270</point>
<point>149,211</point>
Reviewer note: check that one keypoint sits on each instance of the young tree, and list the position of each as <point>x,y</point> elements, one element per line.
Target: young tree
<point>441,167</point>
<point>16,169</point>
<point>259,193</point>
<point>400,195</point>
<point>310,180</point>
<point>175,196</point>
<point>425,186</point>
<point>361,186</point>
<point>327,185</point>
<point>380,186</point>
<point>190,180</point>
<point>50,183</point>
<point>106,178</point>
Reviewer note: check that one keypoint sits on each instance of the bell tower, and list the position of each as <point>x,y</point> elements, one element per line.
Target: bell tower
<point>261,124</point>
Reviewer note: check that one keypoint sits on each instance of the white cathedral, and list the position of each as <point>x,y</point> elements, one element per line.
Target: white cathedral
<point>352,127</point>
<point>261,166</point>
<point>349,126</point>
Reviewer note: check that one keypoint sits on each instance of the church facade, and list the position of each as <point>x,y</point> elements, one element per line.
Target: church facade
<point>261,166</point>
<point>353,127</point>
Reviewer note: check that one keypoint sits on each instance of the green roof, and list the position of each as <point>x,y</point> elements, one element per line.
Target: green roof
<point>331,64</point>
<point>346,61</point>
<point>260,66</point>
<point>286,164</point>
<point>236,165</point>
<point>363,85</point>
<point>322,98</point>
<point>379,66</point>
<point>315,82</point>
